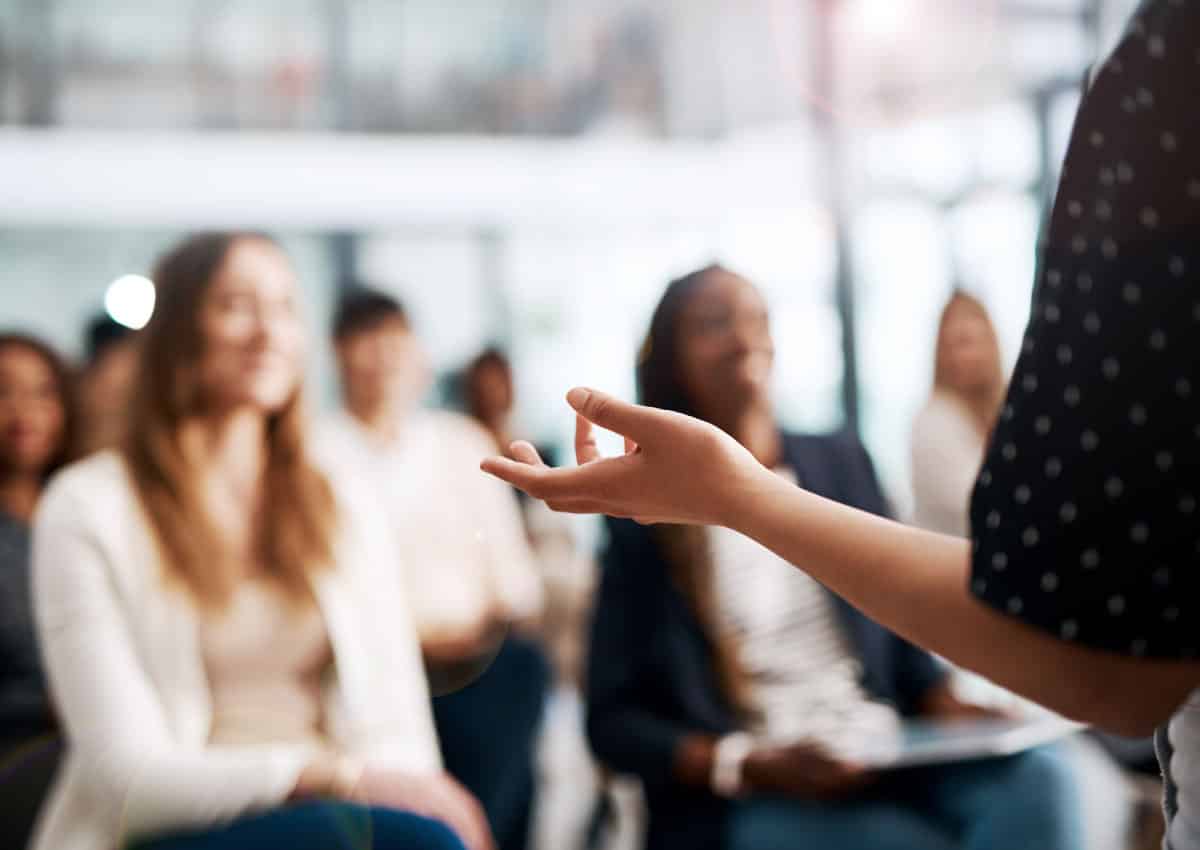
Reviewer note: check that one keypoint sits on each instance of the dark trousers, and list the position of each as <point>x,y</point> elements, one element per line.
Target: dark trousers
<point>317,826</point>
<point>27,768</point>
<point>488,733</point>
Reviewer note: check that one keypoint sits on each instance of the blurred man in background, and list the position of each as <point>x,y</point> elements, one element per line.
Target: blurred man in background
<point>469,570</point>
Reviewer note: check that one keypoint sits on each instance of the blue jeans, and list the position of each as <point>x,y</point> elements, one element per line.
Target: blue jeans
<point>1025,802</point>
<point>318,826</point>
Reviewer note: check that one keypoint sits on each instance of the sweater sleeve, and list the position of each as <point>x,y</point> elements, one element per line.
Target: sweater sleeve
<point>120,740</point>
<point>625,731</point>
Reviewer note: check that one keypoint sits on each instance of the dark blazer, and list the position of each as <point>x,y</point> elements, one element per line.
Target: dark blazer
<point>650,673</point>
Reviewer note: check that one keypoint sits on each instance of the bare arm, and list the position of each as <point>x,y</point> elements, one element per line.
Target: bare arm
<point>678,469</point>
<point>916,583</point>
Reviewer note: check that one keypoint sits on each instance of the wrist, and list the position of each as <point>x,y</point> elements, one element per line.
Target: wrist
<point>728,777</point>
<point>694,760</point>
<point>754,485</point>
<point>329,775</point>
<point>346,777</point>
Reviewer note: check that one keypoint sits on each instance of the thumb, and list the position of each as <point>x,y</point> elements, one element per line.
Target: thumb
<point>629,420</point>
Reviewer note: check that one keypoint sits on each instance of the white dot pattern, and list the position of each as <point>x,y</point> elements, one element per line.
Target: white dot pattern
<point>1087,520</point>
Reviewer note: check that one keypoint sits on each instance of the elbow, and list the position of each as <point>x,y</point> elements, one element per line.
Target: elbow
<point>1129,727</point>
<point>1127,720</point>
<point>1122,709</point>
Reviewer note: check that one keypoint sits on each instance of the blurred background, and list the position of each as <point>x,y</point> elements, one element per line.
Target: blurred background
<point>531,173</point>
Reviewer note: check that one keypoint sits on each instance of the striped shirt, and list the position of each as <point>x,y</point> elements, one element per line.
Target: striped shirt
<point>805,677</point>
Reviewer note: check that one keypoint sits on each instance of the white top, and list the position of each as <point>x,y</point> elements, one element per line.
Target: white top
<point>805,675</point>
<point>458,532</point>
<point>126,672</point>
<point>947,451</point>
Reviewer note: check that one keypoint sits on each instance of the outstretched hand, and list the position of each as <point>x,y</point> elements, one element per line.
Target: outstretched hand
<point>674,468</point>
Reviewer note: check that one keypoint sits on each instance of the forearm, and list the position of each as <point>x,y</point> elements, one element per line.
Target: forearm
<point>916,583</point>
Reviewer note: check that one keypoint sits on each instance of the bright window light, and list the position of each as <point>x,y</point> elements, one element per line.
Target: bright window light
<point>882,20</point>
<point>130,300</point>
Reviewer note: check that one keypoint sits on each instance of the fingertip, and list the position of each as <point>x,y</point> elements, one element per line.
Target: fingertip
<point>500,467</point>
<point>525,452</point>
<point>578,397</point>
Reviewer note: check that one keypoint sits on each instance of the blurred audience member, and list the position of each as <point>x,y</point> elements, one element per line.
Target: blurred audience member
<point>568,780</point>
<point>36,430</point>
<point>462,550</point>
<point>568,572</point>
<point>951,431</point>
<point>111,359</point>
<point>490,394</point>
<point>736,688</point>
<point>949,437</point>
<point>234,664</point>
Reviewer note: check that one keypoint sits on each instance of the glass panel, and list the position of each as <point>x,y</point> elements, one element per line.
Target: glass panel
<point>1037,51</point>
<point>182,64</point>
<point>999,270</point>
<point>640,67</point>
<point>440,279</point>
<point>930,157</point>
<point>1004,143</point>
<point>53,281</point>
<point>792,259</point>
<point>582,303</point>
<point>904,275</point>
<point>1062,121</point>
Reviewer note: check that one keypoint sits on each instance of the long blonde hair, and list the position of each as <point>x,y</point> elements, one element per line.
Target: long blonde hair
<point>983,406</point>
<point>297,533</point>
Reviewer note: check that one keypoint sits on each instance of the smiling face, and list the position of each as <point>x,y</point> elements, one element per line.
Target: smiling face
<point>33,411</point>
<point>724,346</point>
<point>252,338</point>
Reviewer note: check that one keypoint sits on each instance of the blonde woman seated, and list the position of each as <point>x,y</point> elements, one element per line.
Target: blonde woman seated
<point>225,638</point>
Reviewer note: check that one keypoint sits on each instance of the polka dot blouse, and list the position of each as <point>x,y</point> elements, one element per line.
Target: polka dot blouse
<point>1086,515</point>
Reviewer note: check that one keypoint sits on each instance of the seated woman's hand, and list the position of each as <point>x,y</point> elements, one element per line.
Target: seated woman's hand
<point>438,797</point>
<point>803,771</point>
<point>674,469</point>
